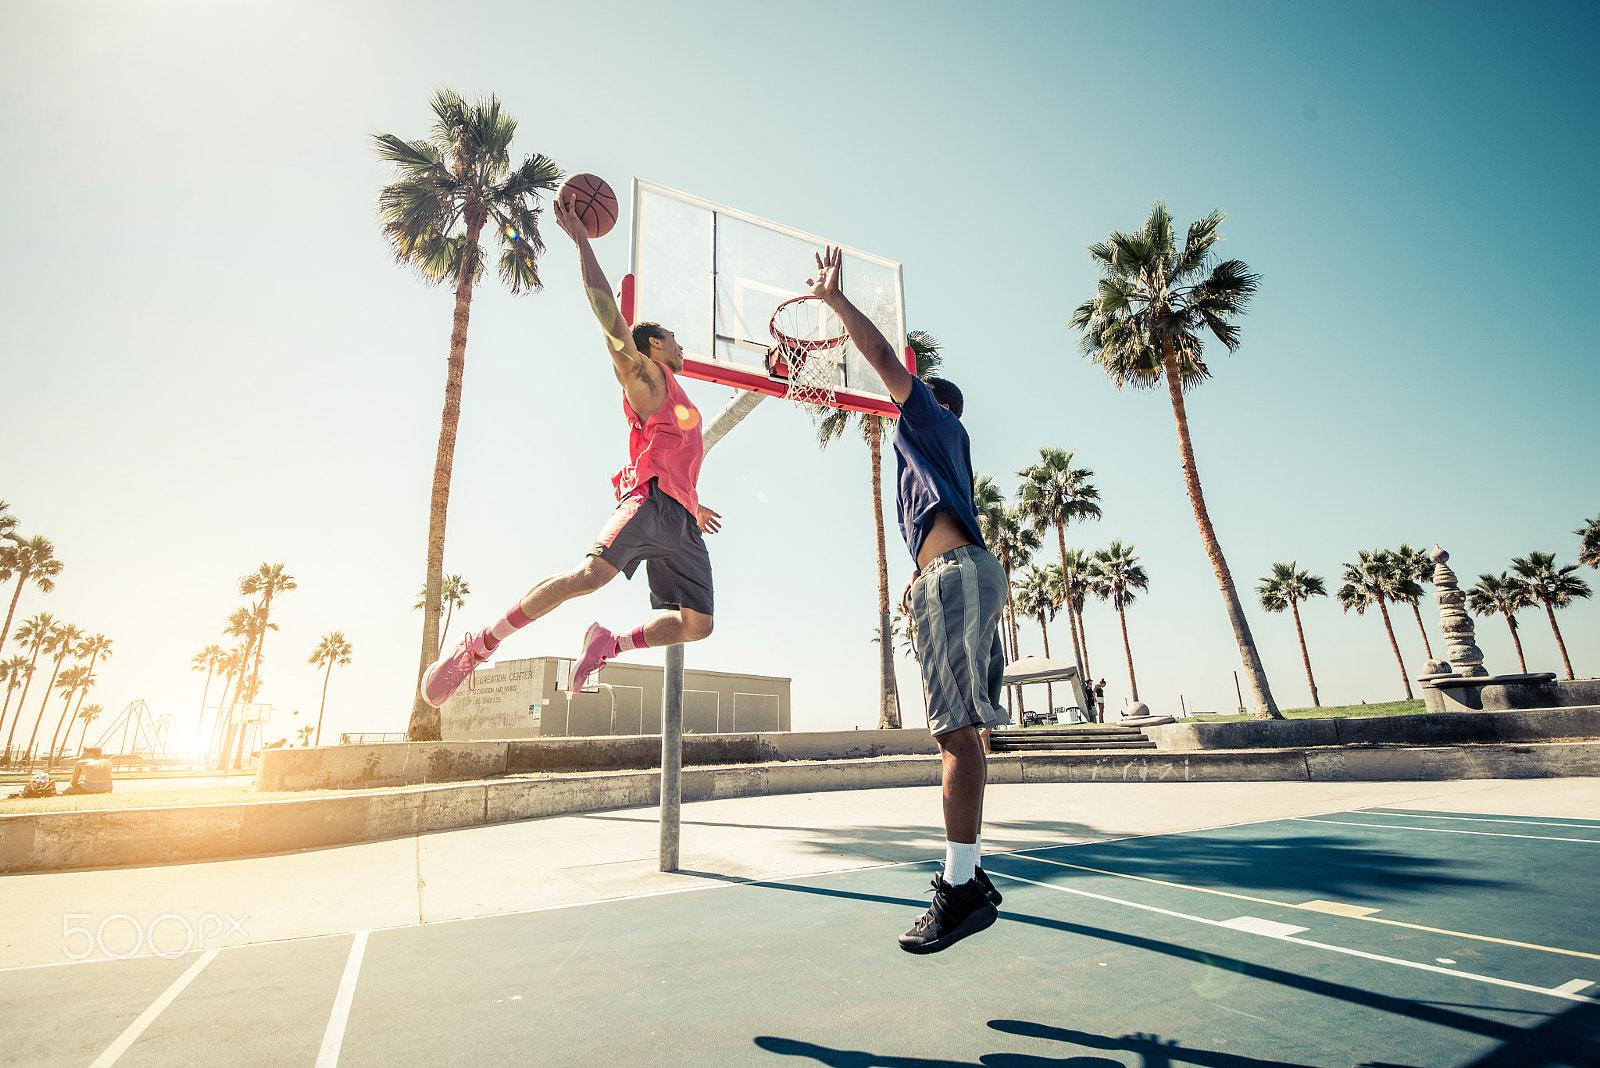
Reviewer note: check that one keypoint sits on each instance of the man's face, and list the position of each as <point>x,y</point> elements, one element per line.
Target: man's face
<point>667,351</point>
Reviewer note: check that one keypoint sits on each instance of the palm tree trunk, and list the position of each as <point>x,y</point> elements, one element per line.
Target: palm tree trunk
<point>83,735</point>
<point>23,700</point>
<point>82,693</point>
<point>888,696</point>
<point>1266,708</point>
<point>1425,645</point>
<point>325,677</point>
<point>1077,654</point>
<point>55,735</point>
<point>10,686</point>
<point>219,728</point>
<point>200,724</point>
<point>1388,627</point>
<point>1049,689</point>
<point>1305,656</point>
<point>1127,651</point>
<point>1083,637</point>
<point>425,723</point>
<point>1512,626</point>
<point>22,580</point>
<point>39,719</point>
<point>1551,612</point>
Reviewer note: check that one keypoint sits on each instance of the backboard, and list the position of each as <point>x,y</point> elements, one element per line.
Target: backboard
<point>713,276</point>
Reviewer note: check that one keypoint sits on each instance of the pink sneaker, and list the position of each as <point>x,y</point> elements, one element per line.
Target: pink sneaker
<point>455,667</point>
<point>599,645</point>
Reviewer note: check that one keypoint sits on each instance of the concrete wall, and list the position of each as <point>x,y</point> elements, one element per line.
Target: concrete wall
<point>519,699</point>
<point>409,763</point>
<point>1441,728</point>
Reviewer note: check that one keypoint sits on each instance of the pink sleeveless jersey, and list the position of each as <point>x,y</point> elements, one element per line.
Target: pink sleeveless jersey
<point>665,447</point>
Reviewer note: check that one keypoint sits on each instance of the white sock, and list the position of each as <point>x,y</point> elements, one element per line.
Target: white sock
<point>959,860</point>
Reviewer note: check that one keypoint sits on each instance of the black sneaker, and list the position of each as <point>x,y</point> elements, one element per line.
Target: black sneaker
<point>988,887</point>
<point>956,912</point>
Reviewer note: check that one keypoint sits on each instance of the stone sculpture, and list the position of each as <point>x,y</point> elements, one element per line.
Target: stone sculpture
<point>1464,655</point>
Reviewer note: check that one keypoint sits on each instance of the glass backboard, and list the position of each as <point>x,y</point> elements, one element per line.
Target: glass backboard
<point>713,276</point>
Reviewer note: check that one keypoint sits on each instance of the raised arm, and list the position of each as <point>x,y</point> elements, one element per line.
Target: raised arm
<point>632,368</point>
<point>864,334</point>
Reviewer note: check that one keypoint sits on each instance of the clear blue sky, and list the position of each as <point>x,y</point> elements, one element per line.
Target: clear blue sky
<point>210,359</point>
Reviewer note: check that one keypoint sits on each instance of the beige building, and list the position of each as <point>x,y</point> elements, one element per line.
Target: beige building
<point>519,699</point>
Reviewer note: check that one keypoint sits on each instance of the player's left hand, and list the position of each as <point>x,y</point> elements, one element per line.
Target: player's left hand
<point>710,522</point>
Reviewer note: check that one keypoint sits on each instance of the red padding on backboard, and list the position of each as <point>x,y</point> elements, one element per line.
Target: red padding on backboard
<point>625,300</point>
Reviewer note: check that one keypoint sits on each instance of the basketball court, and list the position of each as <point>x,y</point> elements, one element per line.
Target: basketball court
<point>1436,924</point>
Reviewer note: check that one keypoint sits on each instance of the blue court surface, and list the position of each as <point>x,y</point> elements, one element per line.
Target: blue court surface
<point>1375,937</point>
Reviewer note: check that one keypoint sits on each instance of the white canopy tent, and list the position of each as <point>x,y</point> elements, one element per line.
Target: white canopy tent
<point>1031,670</point>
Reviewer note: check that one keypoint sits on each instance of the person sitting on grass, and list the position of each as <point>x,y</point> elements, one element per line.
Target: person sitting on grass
<point>91,774</point>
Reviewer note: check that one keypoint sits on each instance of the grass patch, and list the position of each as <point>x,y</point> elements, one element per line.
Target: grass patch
<point>208,795</point>
<point>1386,708</point>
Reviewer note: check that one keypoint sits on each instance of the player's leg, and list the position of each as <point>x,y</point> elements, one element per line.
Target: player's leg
<point>952,609</point>
<point>679,570</point>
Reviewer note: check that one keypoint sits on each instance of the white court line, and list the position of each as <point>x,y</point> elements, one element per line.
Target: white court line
<point>1558,993</point>
<point>333,1037</point>
<point>1577,986</point>
<point>1444,830</point>
<point>1478,819</point>
<point>148,1016</point>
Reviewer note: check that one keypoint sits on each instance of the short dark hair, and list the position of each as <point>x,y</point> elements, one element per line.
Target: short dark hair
<point>93,750</point>
<point>947,394</point>
<point>643,332</point>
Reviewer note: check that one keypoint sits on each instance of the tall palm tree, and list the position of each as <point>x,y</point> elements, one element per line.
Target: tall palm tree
<point>448,187</point>
<point>453,594</point>
<point>1118,575</point>
<point>1037,590</point>
<point>1144,327</point>
<point>1054,494</point>
<point>8,524</point>
<point>34,633</point>
<point>89,713</point>
<point>1412,569</point>
<point>1504,595</point>
<point>33,561</point>
<point>73,682</point>
<point>331,650</point>
<point>1075,579</point>
<point>1552,586</point>
<point>925,347</point>
<point>207,660</point>
<point>266,580</point>
<point>1012,544</point>
<point>95,647</point>
<point>13,671</point>
<point>1286,587</point>
<point>1370,581</point>
<point>1589,546</point>
<point>232,667</point>
<point>60,642</point>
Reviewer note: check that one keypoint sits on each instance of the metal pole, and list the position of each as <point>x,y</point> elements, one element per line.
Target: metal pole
<point>1239,692</point>
<point>671,756</point>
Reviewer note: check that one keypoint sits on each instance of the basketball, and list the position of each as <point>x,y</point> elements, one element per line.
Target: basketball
<point>593,201</point>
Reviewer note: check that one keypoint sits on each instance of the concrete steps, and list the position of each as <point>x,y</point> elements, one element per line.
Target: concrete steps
<point>1068,740</point>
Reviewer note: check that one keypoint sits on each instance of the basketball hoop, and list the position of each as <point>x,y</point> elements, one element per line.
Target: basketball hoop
<point>806,333</point>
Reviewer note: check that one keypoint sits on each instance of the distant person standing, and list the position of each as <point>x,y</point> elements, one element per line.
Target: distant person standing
<point>91,774</point>
<point>1089,703</point>
<point>1100,699</point>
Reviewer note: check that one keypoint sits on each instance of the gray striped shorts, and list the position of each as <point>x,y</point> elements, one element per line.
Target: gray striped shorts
<point>956,605</point>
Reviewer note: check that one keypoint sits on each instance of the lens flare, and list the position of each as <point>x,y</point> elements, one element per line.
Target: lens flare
<point>687,416</point>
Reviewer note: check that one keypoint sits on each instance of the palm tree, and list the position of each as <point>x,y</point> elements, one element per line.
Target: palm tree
<point>834,423</point>
<point>74,681</point>
<point>60,642</point>
<point>232,668</point>
<point>95,647</point>
<point>266,580</point>
<point>1038,592</point>
<point>333,649</point>
<point>1286,587</point>
<point>1412,568</point>
<point>208,660</point>
<point>1053,494</point>
<point>1117,575</point>
<point>1370,581</point>
<point>1589,547</point>
<point>305,734</point>
<point>34,632</point>
<point>453,594</point>
<point>15,670</point>
<point>1075,580</point>
<point>33,561</point>
<point>448,188</point>
<point>1504,595</point>
<point>1552,586</point>
<point>1011,543</point>
<point>89,713</point>
<point>8,524</point>
<point>1144,327</point>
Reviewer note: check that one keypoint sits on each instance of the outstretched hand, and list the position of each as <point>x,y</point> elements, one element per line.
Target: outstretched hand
<point>710,522</point>
<point>826,284</point>
<point>568,220</point>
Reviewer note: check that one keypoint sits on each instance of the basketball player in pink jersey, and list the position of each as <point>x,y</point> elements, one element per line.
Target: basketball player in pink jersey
<point>658,520</point>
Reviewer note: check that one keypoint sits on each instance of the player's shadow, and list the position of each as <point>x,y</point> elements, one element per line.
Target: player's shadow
<point>1156,1053</point>
<point>1338,866</point>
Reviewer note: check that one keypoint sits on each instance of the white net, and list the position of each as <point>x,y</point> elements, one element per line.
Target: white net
<point>809,342</point>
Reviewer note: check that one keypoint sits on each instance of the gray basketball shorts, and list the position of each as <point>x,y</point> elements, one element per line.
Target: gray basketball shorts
<point>956,604</point>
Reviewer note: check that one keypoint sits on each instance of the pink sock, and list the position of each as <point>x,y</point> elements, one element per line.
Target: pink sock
<point>635,640</point>
<point>509,624</point>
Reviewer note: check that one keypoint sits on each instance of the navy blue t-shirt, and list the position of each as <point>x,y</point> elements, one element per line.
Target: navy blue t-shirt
<point>934,468</point>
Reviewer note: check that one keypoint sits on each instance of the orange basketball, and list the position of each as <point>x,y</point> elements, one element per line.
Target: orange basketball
<point>593,200</point>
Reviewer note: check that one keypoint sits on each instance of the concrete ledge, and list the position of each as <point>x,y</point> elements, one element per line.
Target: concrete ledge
<point>54,841</point>
<point>344,767</point>
<point>1438,728</point>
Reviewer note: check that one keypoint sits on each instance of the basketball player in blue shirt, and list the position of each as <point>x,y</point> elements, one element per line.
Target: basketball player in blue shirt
<point>955,600</point>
